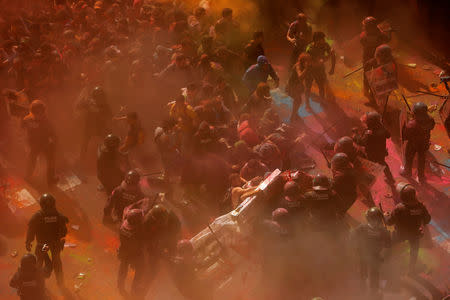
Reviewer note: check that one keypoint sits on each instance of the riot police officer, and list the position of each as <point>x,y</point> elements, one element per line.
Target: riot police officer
<point>41,139</point>
<point>409,217</point>
<point>321,204</point>
<point>275,238</point>
<point>346,145</point>
<point>96,114</point>
<point>344,182</point>
<point>292,199</point>
<point>383,56</point>
<point>131,249</point>
<point>48,227</point>
<point>110,163</point>
<point>371,239</point>
<point>370,39</point>
<point>29,280</point>
<point>162,227</point>
<point>417,135</point>
<point>374,141</point>
<point>128,192</point>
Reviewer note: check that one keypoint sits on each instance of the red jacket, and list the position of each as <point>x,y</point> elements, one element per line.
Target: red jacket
<point>248,134</point>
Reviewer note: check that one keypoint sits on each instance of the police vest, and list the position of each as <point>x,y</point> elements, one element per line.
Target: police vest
<point>30,287</point>
<point>50,227</point>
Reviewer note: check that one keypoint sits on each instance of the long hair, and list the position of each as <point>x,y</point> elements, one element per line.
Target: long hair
<point>302,60</point>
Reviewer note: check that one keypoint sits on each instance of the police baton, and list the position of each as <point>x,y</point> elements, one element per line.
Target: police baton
<point>406,102</point>
<point>440,164</point>
<point>432,94</point>
<point>382,213</point>
<point>353,72</point>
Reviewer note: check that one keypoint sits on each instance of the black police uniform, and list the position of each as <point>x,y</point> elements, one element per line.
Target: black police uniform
<point>374,141</point>
<point>370,41</point>
<point>345,186</point>
<point>294,206</point>
<point>30,284</point>
<point>408,221</point>
<point>370,242</point>
<point>109,168</point>
<point>417,134</point>
<point>277,265</point>
<point>322,209</point>
<point>121,197</point>
<point>159,242</point>
<point>130,254</point>
<point>48,228</point>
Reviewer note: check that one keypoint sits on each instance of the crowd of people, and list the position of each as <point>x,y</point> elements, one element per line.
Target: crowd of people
<point>221,135</point>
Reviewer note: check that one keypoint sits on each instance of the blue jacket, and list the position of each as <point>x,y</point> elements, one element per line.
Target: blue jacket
<point>256,74</point>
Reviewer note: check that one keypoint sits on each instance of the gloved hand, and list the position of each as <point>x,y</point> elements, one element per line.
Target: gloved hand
<point>45,248</point>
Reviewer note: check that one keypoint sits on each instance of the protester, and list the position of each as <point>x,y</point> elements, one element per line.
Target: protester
<point>224,137</point>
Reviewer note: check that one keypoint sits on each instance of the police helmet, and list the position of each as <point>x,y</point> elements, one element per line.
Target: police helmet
<point>374,216</point>
<point>373,118</point>
<point>28,262</point>
<point>111,141</point>
<point>134,217</point>
<point>407,192</point>
<point>262,60</point>
<point>47,201</point>
<point>291,188</point>
<point>345,144</point>
<point>132,177</point>
<point>158,214</point>
<point>280,214</point>
<point>420,108</point>
<point>98,93</point>
<point>340,161</point>
<point>383,53</point>
<point>321,183</point>
<point>369,22</point>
